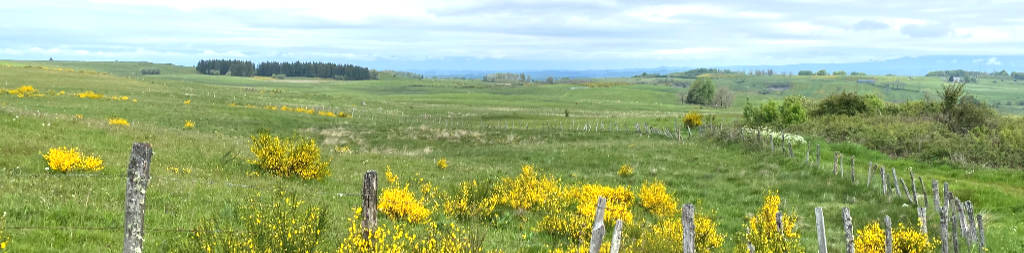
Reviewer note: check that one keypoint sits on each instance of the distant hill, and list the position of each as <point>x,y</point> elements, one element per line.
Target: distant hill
<point>905,66</point>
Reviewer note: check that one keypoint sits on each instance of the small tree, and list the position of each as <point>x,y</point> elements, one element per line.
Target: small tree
<point>839,73</point>
<point>805,73</point>
<point>822,72</point>
<point>701,92</point>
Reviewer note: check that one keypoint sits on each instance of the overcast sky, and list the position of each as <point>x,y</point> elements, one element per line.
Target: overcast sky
<point>535,34</point>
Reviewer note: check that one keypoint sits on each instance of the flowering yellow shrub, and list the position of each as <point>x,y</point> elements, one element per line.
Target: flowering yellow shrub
<point>526,190</point>
<point>391,177</point>
<point>118,122</point>
<point>187,102</point>
<point>764,234</point>
<point>65,159</point>
<point>573,209</point>
<point>190,124</point>
<point>283,224</point>
<point>397,238</point>
<point>667,235</point>
<point>871,239</point>
<point>654,197</point>
<point>625,170</point>
<point>289,157</point>
<point>89,94</point>
<point>693,119</point>
<point>470,202</point>
<point>23,91</point>
<point>442,163</point>
<point>400,203</point>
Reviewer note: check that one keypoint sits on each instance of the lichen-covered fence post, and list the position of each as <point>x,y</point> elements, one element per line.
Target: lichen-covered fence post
<point>885,183</point>
<point>935,191</point>
<point>369,215</point>
<point>913,182</point>
<point>848,228</point>
<point>819,221</point>
<point>922,217</point>
<point>616,237</point>
<point>688,229</point>
<point>981,234</point>
<point>137,180</point>
<point>597,232</point>
<point>944,229</point>
<point>888,235</point>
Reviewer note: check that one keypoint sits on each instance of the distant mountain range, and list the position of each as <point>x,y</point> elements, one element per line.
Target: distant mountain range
<point>905,66</point>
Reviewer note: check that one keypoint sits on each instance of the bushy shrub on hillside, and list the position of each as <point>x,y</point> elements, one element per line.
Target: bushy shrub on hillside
<point>763,231</point>
<point>772,114</point>
<point>847,103</point>
<point>962,112</point>
<point>702,92</point>
<point>288,157</point>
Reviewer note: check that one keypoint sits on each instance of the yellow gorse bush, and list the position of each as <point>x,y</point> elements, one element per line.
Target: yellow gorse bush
<point>693,119</point>
<point>288,157</point>
<point>64,159</point>
<point>283,224</point>
<point>525,191</point>
<point>764,234</point>
<point>656,199</point>
<point>187,102</point>
<point>469,202</point>
<point>401,203</point>
<point>572,209</point>
<point>871,239</point>
<point>442,163</point>
<point>23,91</point>
<point>118,122</point>
<point>190,124</point>
<point>625,170</point>
<point>89,94</point>
<point>667,235</point>
<point>398,238</point>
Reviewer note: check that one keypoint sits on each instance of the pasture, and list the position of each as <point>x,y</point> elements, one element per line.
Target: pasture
<point>484,132</point>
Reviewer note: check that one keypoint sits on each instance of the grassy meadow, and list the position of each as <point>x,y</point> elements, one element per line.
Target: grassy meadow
<point>408,125</point>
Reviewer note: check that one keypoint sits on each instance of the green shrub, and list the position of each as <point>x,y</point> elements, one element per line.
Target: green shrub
<point>702,92</point>
<point>773,114</point>
<point>847,103</point>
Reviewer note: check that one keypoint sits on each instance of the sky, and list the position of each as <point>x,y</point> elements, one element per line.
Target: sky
<point>512,35</point>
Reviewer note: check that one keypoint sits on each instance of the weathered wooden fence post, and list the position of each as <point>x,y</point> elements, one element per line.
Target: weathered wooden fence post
<point>369,215</point>
<point>819,155</point>
<point>913,182</point>
<point>885,183</point>
<point>137,180</point>
<point>689,240</point>
<point>842,170</point>
<point>616,237</point>
<point>871,166</point>
<point>848,228</point>
<point>597,232</point>
<point>922,218</point>
<point>906,190</point>
<point>896,182</point>
<point>835,164</point>
<point>944,229</point>
<point>924,190</point>
<point>981,234</point>
<point>853,169</point>
<point>972,225</point>
<point>935,191</point>
<point>888,235</point>
<point>819,221</point>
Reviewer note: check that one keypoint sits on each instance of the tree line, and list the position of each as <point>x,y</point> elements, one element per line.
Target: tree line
<point>282,69</point>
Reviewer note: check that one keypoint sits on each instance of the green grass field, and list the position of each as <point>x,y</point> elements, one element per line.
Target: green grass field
<point>403,125</point>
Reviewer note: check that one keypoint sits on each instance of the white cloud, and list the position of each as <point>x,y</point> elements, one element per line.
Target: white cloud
<point>993,61</point>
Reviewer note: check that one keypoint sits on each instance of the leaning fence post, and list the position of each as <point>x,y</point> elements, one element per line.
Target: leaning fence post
<point>688,229</point>
<point>597,232</point>
<point>888,235</point>
<point>616,237</point>
<point>924,191</point>
<point>935,191</point>
<point>914,183</point>
<point>922,218</point>
<point>137,180</point>
<point>369,215</point>
<point>981,234</point>
<point>819,221</point>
